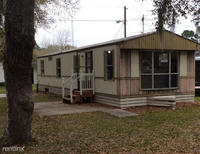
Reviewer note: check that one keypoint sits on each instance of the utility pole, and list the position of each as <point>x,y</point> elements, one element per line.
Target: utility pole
<point>124,21</point>
<point>143,24</point>
<point>72,32</point>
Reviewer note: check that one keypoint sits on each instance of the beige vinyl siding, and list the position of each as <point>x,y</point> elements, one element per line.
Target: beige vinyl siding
<point>38,66</point>
<point>50,78</point>
<point>183,63</point>
<point>134,63</point>
<point>102,86</point>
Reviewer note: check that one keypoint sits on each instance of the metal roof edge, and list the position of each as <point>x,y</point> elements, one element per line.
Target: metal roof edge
<point>106,43</point>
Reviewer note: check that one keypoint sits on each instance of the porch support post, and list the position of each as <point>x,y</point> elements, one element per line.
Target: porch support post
<point>71,88</point>
<point>77,69</point>
<point>63,87</point>
<point>81,75</point>
<point>93,81</point>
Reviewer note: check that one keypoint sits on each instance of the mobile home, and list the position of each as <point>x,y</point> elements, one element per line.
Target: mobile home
<point>139,70</point>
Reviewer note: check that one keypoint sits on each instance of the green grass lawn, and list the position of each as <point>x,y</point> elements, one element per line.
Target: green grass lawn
<point>152,132</point>
<point>3,89</point>
<point>197,99</point>
<point>170,131</point>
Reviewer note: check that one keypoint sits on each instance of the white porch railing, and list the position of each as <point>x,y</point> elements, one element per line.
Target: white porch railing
<point>86,82</point>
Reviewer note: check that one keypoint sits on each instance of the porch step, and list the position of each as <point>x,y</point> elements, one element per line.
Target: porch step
<point>76,98</point>
<point>85,93</point>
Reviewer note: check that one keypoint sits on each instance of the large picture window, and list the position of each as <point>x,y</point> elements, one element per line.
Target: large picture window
<point>42,68</point>
<point>58,68</point>
<point>159,70</point>
<point>108,68</point>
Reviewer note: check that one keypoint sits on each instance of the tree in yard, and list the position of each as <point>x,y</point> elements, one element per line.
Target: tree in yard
<point>17,18</point>
<point>62,39</point>
<point>46,12</point>
<point>2,43</point>
<point>190,34</point>
<point>19,30</point>
<point>59,43</point>
<point>169,11</point>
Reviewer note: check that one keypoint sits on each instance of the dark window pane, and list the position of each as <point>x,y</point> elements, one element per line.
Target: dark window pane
<point>42,68</point>
<point>146,62</point>
<point>146,81</point>
<point>109,72</point>
<point>161,81</point>
<point>174,80</point>
<point>174,62</point>
<point>58,69</point>
<point>76,60</point>
<point>58,73</point>
<point>161,62</point>
<point>109,56</point>
<point>58,62</point>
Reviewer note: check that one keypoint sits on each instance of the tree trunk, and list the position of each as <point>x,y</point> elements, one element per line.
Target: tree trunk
<point>19,30</point>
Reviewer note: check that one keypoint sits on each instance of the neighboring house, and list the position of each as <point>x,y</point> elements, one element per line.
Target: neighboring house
<point>2,80</point>
<point>129,71</point>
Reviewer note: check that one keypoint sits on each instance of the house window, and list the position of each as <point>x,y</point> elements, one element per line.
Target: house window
<point>50,58</point>
<point>58,68</point>
<point>42,68</point>
<point>159,70</point>
<point>108,69</point>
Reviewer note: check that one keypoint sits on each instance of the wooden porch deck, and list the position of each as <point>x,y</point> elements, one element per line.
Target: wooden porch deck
<point>77,97</point>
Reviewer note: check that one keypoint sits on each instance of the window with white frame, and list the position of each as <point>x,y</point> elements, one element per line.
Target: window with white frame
<point>108,65</point>
<point>159,70</point>
<point>58,68</point>
<point>42,68</point>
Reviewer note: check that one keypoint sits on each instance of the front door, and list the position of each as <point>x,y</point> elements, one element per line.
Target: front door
<point>84,61</point>
<point>88,62</point>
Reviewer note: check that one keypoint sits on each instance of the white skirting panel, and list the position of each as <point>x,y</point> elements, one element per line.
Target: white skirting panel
<point>185,98</point>
<point>143,101</point>
<point>169,101</point>
<point>54,90</point>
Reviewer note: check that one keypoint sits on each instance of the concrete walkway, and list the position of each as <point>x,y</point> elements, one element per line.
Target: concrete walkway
<point>2,95</point>
<point>59,108</point>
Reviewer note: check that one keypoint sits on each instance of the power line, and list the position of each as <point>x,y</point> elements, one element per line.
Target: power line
<point>118,31</point>
<point>90,20</point>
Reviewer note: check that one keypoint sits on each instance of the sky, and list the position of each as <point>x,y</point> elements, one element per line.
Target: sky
<point>95,22</point>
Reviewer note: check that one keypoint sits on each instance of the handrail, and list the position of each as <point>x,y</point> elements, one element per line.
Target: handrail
<point>71,88</point>
<point>86,83</point>
<point>64,81</point>
<point>68,79</point>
